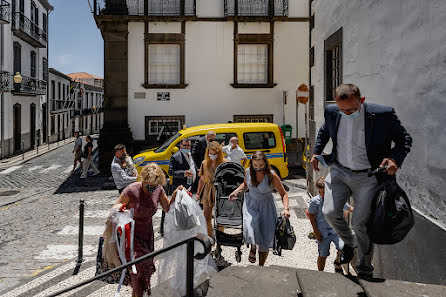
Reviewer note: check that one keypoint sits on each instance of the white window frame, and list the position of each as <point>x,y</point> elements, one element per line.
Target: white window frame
<point>160,65</point>
<point>252,63</point>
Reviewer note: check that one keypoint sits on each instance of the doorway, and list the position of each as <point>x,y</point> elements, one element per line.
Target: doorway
<point>17,129</point>
<point>45,123</point>
<point>33,124</point>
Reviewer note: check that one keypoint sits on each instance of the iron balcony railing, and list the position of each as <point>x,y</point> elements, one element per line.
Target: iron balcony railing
<point>5,81</point>
<point>191,253</point>
<point>5,12</point>
<point>29,86</point>
<point>146,7</point>
<point>27,30</point>
<point>256,8</point>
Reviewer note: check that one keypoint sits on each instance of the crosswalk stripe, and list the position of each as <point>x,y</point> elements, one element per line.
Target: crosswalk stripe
<point>35,168</point>
<point>64,251</point>
<point>100,214</point>
<point>52,167</point>
<point>69,168</point>
<point>88,230</point>
<point>11,169</point>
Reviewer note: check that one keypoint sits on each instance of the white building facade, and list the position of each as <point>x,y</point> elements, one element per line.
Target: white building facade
<point>218,61</point>
<point>87,116</point>
<point>23,50</point>
<point>60,104</point>
<point>395,52</point>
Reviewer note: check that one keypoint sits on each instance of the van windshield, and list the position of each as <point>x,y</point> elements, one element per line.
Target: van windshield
<point>165,145</point>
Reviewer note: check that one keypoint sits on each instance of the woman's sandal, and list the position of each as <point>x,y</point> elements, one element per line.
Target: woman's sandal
<point>252,256</point>
<point>338,267</point>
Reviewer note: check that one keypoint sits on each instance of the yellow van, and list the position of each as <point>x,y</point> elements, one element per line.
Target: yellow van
<point>252,137</point>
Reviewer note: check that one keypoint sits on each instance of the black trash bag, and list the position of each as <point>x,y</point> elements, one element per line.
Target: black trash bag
<point>284,239</point>
<point>391,218</point>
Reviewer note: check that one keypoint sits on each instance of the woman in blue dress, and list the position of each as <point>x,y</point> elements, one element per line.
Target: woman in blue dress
<point>259,208</point>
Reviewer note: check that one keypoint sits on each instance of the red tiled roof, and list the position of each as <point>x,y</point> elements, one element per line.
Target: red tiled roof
<point>83,75</point>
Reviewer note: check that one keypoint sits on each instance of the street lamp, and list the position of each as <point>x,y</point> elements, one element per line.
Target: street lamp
<point>18,78</point>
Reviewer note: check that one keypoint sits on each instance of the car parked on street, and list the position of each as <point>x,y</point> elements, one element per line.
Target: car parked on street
<point>252,137</point>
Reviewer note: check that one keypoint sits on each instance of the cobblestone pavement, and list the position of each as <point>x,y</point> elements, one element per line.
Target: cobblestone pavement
<point>39,229</point>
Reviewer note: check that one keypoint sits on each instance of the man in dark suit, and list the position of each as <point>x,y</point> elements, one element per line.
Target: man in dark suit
<point>200,146</point>
<point>362,136</point>
<point>182,167</point>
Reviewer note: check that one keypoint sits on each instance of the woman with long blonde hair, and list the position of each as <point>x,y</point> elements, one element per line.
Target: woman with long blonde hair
<point>206,189</point>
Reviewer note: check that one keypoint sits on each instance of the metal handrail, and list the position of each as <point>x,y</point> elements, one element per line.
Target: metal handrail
<point>23,23</point>
<point>158,8</point>
<point>256,8</point>
<point>30,85</point>
<point>5,10</point>
<point>5,81</point>
<point>201,238</point>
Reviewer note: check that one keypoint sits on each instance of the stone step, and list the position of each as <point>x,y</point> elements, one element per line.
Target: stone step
<point>397,288</point>
<point>254,281</point>
<point>315,283</point>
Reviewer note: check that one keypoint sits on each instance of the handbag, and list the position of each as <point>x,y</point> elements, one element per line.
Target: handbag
<point>103,266</point>
<point>284,238</point>
<point>391,218</point>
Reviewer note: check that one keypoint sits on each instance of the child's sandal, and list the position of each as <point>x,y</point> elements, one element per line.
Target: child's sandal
<point>252,256</point>
<point>338,267</point>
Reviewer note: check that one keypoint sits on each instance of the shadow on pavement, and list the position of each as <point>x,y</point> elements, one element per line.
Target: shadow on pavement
<point>75,184</point>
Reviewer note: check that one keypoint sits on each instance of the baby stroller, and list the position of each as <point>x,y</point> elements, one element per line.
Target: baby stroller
<point>228,214</point>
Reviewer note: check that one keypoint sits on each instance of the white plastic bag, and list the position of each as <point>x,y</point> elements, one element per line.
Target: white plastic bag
<point>120,219</point>
<point>172,264</point>
<point>185,216</point>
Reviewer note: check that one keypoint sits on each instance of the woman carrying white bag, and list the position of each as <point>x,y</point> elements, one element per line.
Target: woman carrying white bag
<point>143,197</point>
<point>184,220</point>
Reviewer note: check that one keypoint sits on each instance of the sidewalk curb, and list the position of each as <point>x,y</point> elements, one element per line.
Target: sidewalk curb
<point>21,161</point>
<point>62,143</point>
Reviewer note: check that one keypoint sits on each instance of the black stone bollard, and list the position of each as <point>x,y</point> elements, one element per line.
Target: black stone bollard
<point>81,231</point>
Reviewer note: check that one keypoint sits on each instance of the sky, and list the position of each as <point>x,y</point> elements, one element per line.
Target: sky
<point>75,42</point>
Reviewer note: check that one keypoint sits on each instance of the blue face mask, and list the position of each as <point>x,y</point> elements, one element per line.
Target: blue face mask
<point>350,116</point>
<point>185,150</point>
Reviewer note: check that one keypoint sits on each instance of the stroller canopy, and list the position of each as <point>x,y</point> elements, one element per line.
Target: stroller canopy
<point>230,173</point>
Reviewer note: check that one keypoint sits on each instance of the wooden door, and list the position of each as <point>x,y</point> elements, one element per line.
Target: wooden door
<point>17,129</point>
<point>33,124</point>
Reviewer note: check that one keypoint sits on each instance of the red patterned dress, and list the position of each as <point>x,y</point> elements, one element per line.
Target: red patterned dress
<point>145,206</point>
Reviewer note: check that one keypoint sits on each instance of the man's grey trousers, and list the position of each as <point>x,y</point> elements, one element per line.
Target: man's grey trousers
<point>340,184</point>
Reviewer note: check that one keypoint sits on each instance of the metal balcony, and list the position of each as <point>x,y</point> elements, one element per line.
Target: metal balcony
<point>29,86</point>
<point>145,7</point>
<point>26,30</point>
<point>5,81</point>
<point>5,12</point>
<point>256,8</point>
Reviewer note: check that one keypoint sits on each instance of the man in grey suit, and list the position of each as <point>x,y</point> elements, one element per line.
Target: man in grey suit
<point>362,135</point>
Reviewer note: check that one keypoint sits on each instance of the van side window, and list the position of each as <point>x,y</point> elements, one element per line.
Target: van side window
<point>259,140</point>
<point>220,137</point>
<point>192,140</point>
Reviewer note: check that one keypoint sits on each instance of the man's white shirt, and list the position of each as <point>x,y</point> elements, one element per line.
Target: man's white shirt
<point>351,149</point>
<point>191,162</point>
<point>234,155</point>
